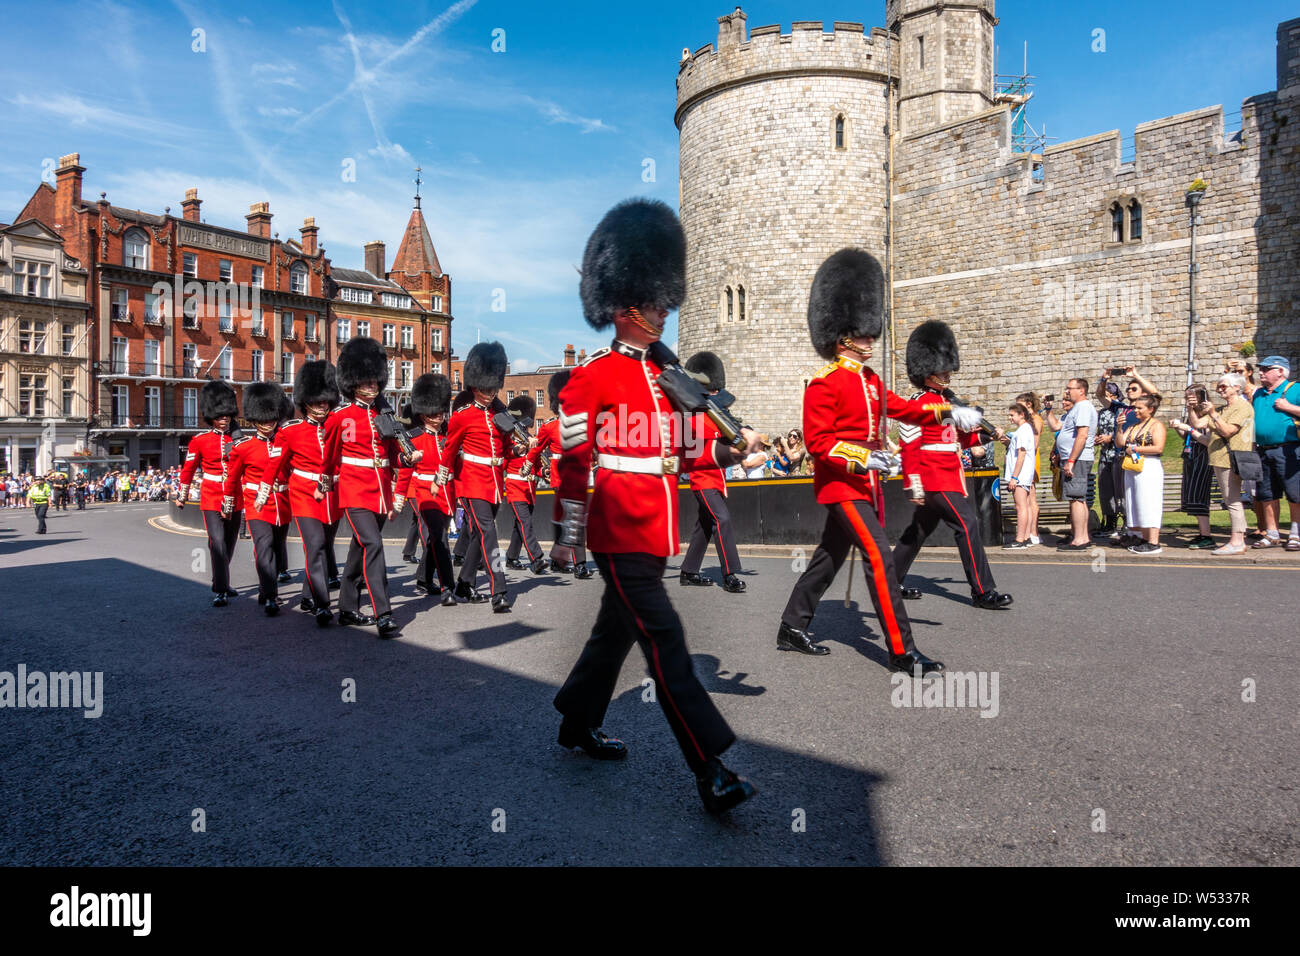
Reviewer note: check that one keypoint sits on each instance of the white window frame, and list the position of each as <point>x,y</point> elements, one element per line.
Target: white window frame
<point>119,305</point>
<point>152,362</point>
<point>286,368</point>
<point>226,364</point>
<point>256,365</point>
<point>390,335</point>
<point>363,329</point>
<point>435,342</point>
<point>298,281</point>
<point>225,270</point>
<point>190,408</point>
<point>408,370</point>
<point>343,330</point>
<point>189,360</point>
<point>120,405</point>
<point>124,366</point>
<point>152,406</point>
<point>190,265</point>
<point>408,337</point>
<point>259,277</point>
<point>137,239</point>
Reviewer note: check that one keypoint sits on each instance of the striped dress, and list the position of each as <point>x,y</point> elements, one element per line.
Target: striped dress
<point>1196,478</point>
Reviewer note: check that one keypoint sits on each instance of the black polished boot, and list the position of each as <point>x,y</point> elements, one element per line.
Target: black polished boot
<point>284,577</point>
<point>911,594</point>
<point>514,564</point>
<point>500,604</point>
<point>692,579</point>
<point>991,600</point>
<point>592,741</point>
<point>908,663</point>
<point>582,572</point>
<point>467,594</point>
<point>732,584</point>
<point>387,626</point>
<point>334,584</point>
<point>792,639</point>
<point>540,566</point>
<point>720,789</point>
<point>219,601</point>
<point>352,619</point>
<point>324,618</point>
<point>308,605</point>
<point>271,606</point>
<point>448,598</point>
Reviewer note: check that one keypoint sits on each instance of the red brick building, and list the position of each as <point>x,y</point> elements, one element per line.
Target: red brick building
<point>533,384</point>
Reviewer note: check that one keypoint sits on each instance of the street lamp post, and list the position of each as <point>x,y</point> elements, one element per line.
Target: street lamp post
<point>1194,197</point>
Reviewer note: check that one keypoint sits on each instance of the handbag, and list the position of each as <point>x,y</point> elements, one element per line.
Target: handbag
<point>1134,462</point>
<point>1246,465</point>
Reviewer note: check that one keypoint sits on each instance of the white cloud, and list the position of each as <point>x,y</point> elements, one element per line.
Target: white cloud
<point>391,151</point>
<point>558,114</point>
<point>277,112</point>
<point>520,366</point>
<point>77,112</point>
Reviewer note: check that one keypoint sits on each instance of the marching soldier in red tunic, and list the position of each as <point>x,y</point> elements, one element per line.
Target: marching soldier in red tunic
<point>313,493</point>
<point>521,492</point>
<point>254,463</point>
<point>362,448</point>
<point>476,450</point>
<point>207,462</point>
<point>841,422</point>
<point>566,559</point>
<point>430,399</point>
<point>932,469</point>
<point>710,489</point>
<point>613,410</point>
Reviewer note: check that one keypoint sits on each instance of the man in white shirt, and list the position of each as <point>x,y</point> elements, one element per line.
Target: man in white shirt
<point>1074,453</point>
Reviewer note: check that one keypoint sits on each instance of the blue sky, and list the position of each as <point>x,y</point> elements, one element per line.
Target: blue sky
<point>522,150</point>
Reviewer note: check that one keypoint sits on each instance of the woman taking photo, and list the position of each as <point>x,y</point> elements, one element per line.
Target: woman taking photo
<point>1195,490</point>
<point>1144,475</point>
<point>1225,432</point>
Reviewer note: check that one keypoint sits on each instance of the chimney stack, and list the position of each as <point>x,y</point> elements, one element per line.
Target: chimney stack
<point>67,195</point>
<point>375,258</point>
<point>568,356</point>
<point>582,356</point>
<point>259,220</point>
<point>731,30</point>
<point>309,230</point>
<point>190,207</point>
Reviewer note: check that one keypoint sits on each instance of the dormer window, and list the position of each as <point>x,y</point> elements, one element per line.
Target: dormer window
<point>135,249</point>
<point>298,278</point>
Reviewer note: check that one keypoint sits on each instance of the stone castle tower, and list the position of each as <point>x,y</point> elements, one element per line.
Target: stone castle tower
<point>1048,262</point>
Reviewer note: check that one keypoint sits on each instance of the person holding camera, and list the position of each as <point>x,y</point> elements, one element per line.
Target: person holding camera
<point>1195,490</point>
<point>1074,455</point>
<point>1226,434</point>
<point>1144,473</point>
<point>1277,406</point>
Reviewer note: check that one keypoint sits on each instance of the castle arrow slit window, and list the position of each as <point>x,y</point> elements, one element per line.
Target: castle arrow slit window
<point>1116,222</point>
<point>1135,220</point>
<point>839,131</point>
<point>730,305</point>
<point>740,301</point>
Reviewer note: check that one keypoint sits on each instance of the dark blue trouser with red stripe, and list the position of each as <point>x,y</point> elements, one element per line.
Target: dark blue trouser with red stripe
<point>635,609</point>
<point>956,511</point>
<point>713,517</point>
<point>365,562</point>
<point>522,534</point>
<point>853,524</point>
<point>481,523</point>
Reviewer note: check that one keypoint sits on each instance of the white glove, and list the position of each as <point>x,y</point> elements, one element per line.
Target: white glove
<point>263,494</point>
<point>882,461</point>
<point>526,469</point>
<point>399,502</point>
<point>227,506</point>
<point>573,524</point>
<point>443,476</point>
<point>966,419</point>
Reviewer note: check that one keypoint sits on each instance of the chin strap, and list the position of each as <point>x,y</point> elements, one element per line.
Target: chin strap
<point>847,343</point>
<point>642,324</point>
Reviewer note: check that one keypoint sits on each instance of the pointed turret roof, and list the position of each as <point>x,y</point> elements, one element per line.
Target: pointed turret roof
<point>416,253</point>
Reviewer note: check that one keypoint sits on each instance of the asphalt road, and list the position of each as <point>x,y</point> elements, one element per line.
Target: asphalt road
<point>1120,692</point>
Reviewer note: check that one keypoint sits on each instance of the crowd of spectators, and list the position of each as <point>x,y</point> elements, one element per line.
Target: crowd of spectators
<point>150,484</point>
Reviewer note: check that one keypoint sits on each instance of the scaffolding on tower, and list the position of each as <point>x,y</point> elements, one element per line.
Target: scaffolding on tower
<point>1017,89</point>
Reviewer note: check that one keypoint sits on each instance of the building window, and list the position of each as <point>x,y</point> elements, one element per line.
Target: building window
<point>311,327</point>
<point>730,314</point>
<point>437,303</point>
<point>348,294</point>
<point>121,410</point>
<point>259,277</point>
<point>395,301</point>
<point>255,357</point>
<point>226,322</point>
<point>408,337</point>
<point>920,53</point>
<point>121,355</point>
<point>1116,222</point>
<point>191,310</point>
<point>226,271</point>
<point>31,396</point>
<point>152,406</point>
<point>69,395</point>
<point>31,336</point>
<point>392,371</point>
<point>390,335</point>
<point>286,368</point>
<point>436,368</point>
<point>189,360</point>
<point>259,323</point>
<point>190,265</point>
<point>190,405</point>
<point>151,352</point>
<point>363,329</point>
<point>227,364</point>
<point>407,369</point>
<point>540,399</point>
<point>740,302</point>
<point>32,278</point>
<point>118,306</point>
<point>69,339</point>
<point>153,309</point>
<point>344,330</point>
<point>135,249</point>
<point>286,326</point>
<point>1135,220</point>
<point>435,342</point>
<point>839,131</point>
<point>298,278</point>
<point>510,395</point>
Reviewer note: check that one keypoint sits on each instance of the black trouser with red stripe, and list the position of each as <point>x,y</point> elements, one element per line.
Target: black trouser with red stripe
<point>481,523</point>
<point>222,535</point>
<point>412,532</point>
<point>565,554</point>
<point>522,533</point>
<point>331,559</point>
<point>956,511</point>
<point>713,516</point>
<point>853,524</point>
<point>635,609</point>
<point>462,540</point>
<point>365,561</point>
<point>317,546</point>
<point>433,532</point>
<point>268,546</point>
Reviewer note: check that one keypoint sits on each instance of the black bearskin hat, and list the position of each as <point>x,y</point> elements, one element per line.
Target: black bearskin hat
<point>316,383</point>
<point>361,360</point>
<point>708,368</point>
<point>931,348</point>
<point>525,406</point>
<point>847,299</point>
<point>485,366</point>
<point>217,399</point>
<point>263,402</point>
<point>430,395</point>
<point>635,257</point>
<point>554,387</point>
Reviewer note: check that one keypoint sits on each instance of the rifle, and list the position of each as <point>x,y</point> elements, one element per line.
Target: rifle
<point>984,425</point>
<point>389,428</point>
<point>517,428</point>
<point>688,395</point>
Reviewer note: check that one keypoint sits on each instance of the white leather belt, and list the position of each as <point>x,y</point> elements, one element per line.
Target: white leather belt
<point>309,475</point>
<point>640,466</point>
<point>949,446</point>
<point>365,462</point>
<point>419,477</point>
<point>480,460</point>
<point>207,477</point>
<point>280,489</point>
<point>520,477</point>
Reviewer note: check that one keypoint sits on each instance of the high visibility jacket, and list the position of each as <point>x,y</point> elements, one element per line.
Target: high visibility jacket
<point>39,494</point>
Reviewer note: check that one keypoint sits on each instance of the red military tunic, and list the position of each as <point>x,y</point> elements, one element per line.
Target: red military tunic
<point>418,483</point>
<point>208,456</point>
<point>708,474</point>
<point>612,410</point>
<point>841,422</point>
<point>302,445</point>
<point>475,449</point>
<point>519,487</point>
<point>932,451</point>
<point>548,439</point>
<point>365,462</point>
<point>253,460</point>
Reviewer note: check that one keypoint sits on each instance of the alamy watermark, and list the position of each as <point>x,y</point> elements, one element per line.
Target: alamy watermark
<point>1103,299</point>
<point>951,689</point>
<point>78,690</point>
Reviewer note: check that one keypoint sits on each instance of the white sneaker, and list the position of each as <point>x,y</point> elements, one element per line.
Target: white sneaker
<point>1033,539</point>
<point>1230,549</point>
